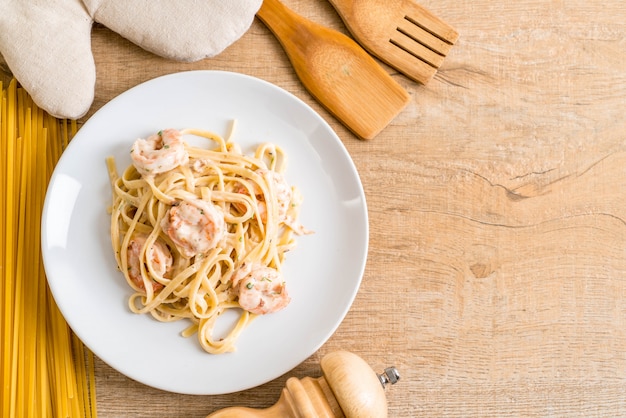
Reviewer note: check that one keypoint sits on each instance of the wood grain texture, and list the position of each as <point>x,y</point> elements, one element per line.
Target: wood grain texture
<point>496,277</point>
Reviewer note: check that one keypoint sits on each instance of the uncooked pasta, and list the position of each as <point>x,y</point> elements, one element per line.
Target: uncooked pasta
<point>44,368</point>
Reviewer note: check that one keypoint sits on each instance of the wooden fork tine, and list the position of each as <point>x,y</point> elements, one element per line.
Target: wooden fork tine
<point>407,38</point>
<point>429,22</point>
<point>410,65</point>
<point>416,31</point>
<point>424,36</point>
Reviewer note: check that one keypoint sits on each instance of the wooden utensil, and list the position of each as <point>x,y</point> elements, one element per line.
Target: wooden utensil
<point>401,33</point>
<point>348,388</point>
<point>344,78</point>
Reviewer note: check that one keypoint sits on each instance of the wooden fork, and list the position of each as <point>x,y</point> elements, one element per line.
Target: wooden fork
<point>401,33</point>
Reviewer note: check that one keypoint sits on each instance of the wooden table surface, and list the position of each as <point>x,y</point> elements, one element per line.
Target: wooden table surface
<point>496,275</point>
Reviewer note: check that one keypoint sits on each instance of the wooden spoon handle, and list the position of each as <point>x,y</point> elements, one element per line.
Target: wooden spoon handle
<point>283,22</point>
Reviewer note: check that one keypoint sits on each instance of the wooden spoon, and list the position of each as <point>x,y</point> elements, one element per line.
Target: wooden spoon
<point>344,78</point>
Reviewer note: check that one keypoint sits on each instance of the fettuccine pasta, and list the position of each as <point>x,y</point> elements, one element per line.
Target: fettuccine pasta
<point>199,231</point>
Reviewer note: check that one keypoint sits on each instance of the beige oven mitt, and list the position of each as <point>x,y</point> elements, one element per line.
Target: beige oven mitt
<point>47,43</point>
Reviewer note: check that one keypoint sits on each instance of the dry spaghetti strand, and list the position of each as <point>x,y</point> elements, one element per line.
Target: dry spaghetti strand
<point>44,368</point>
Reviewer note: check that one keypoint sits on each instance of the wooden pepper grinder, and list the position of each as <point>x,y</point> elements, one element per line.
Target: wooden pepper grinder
<point>348,388</point>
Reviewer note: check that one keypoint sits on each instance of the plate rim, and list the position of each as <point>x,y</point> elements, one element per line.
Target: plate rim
<point>93,119</point>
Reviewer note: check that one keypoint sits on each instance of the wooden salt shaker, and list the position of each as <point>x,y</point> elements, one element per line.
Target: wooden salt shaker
<point>348,388</point>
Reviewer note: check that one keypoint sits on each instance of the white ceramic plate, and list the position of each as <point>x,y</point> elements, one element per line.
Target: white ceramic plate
<point>324,271</point>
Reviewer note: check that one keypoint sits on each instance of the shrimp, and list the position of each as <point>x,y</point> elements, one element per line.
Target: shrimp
<point>158,255</point>
<point>282,191</point>
<point>261,289</point>
<point>195,226</point>
<point>159,153</point>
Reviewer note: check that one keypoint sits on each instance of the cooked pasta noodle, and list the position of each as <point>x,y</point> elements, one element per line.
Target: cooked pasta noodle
<point>198,231</point>
<point>44,368</point>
